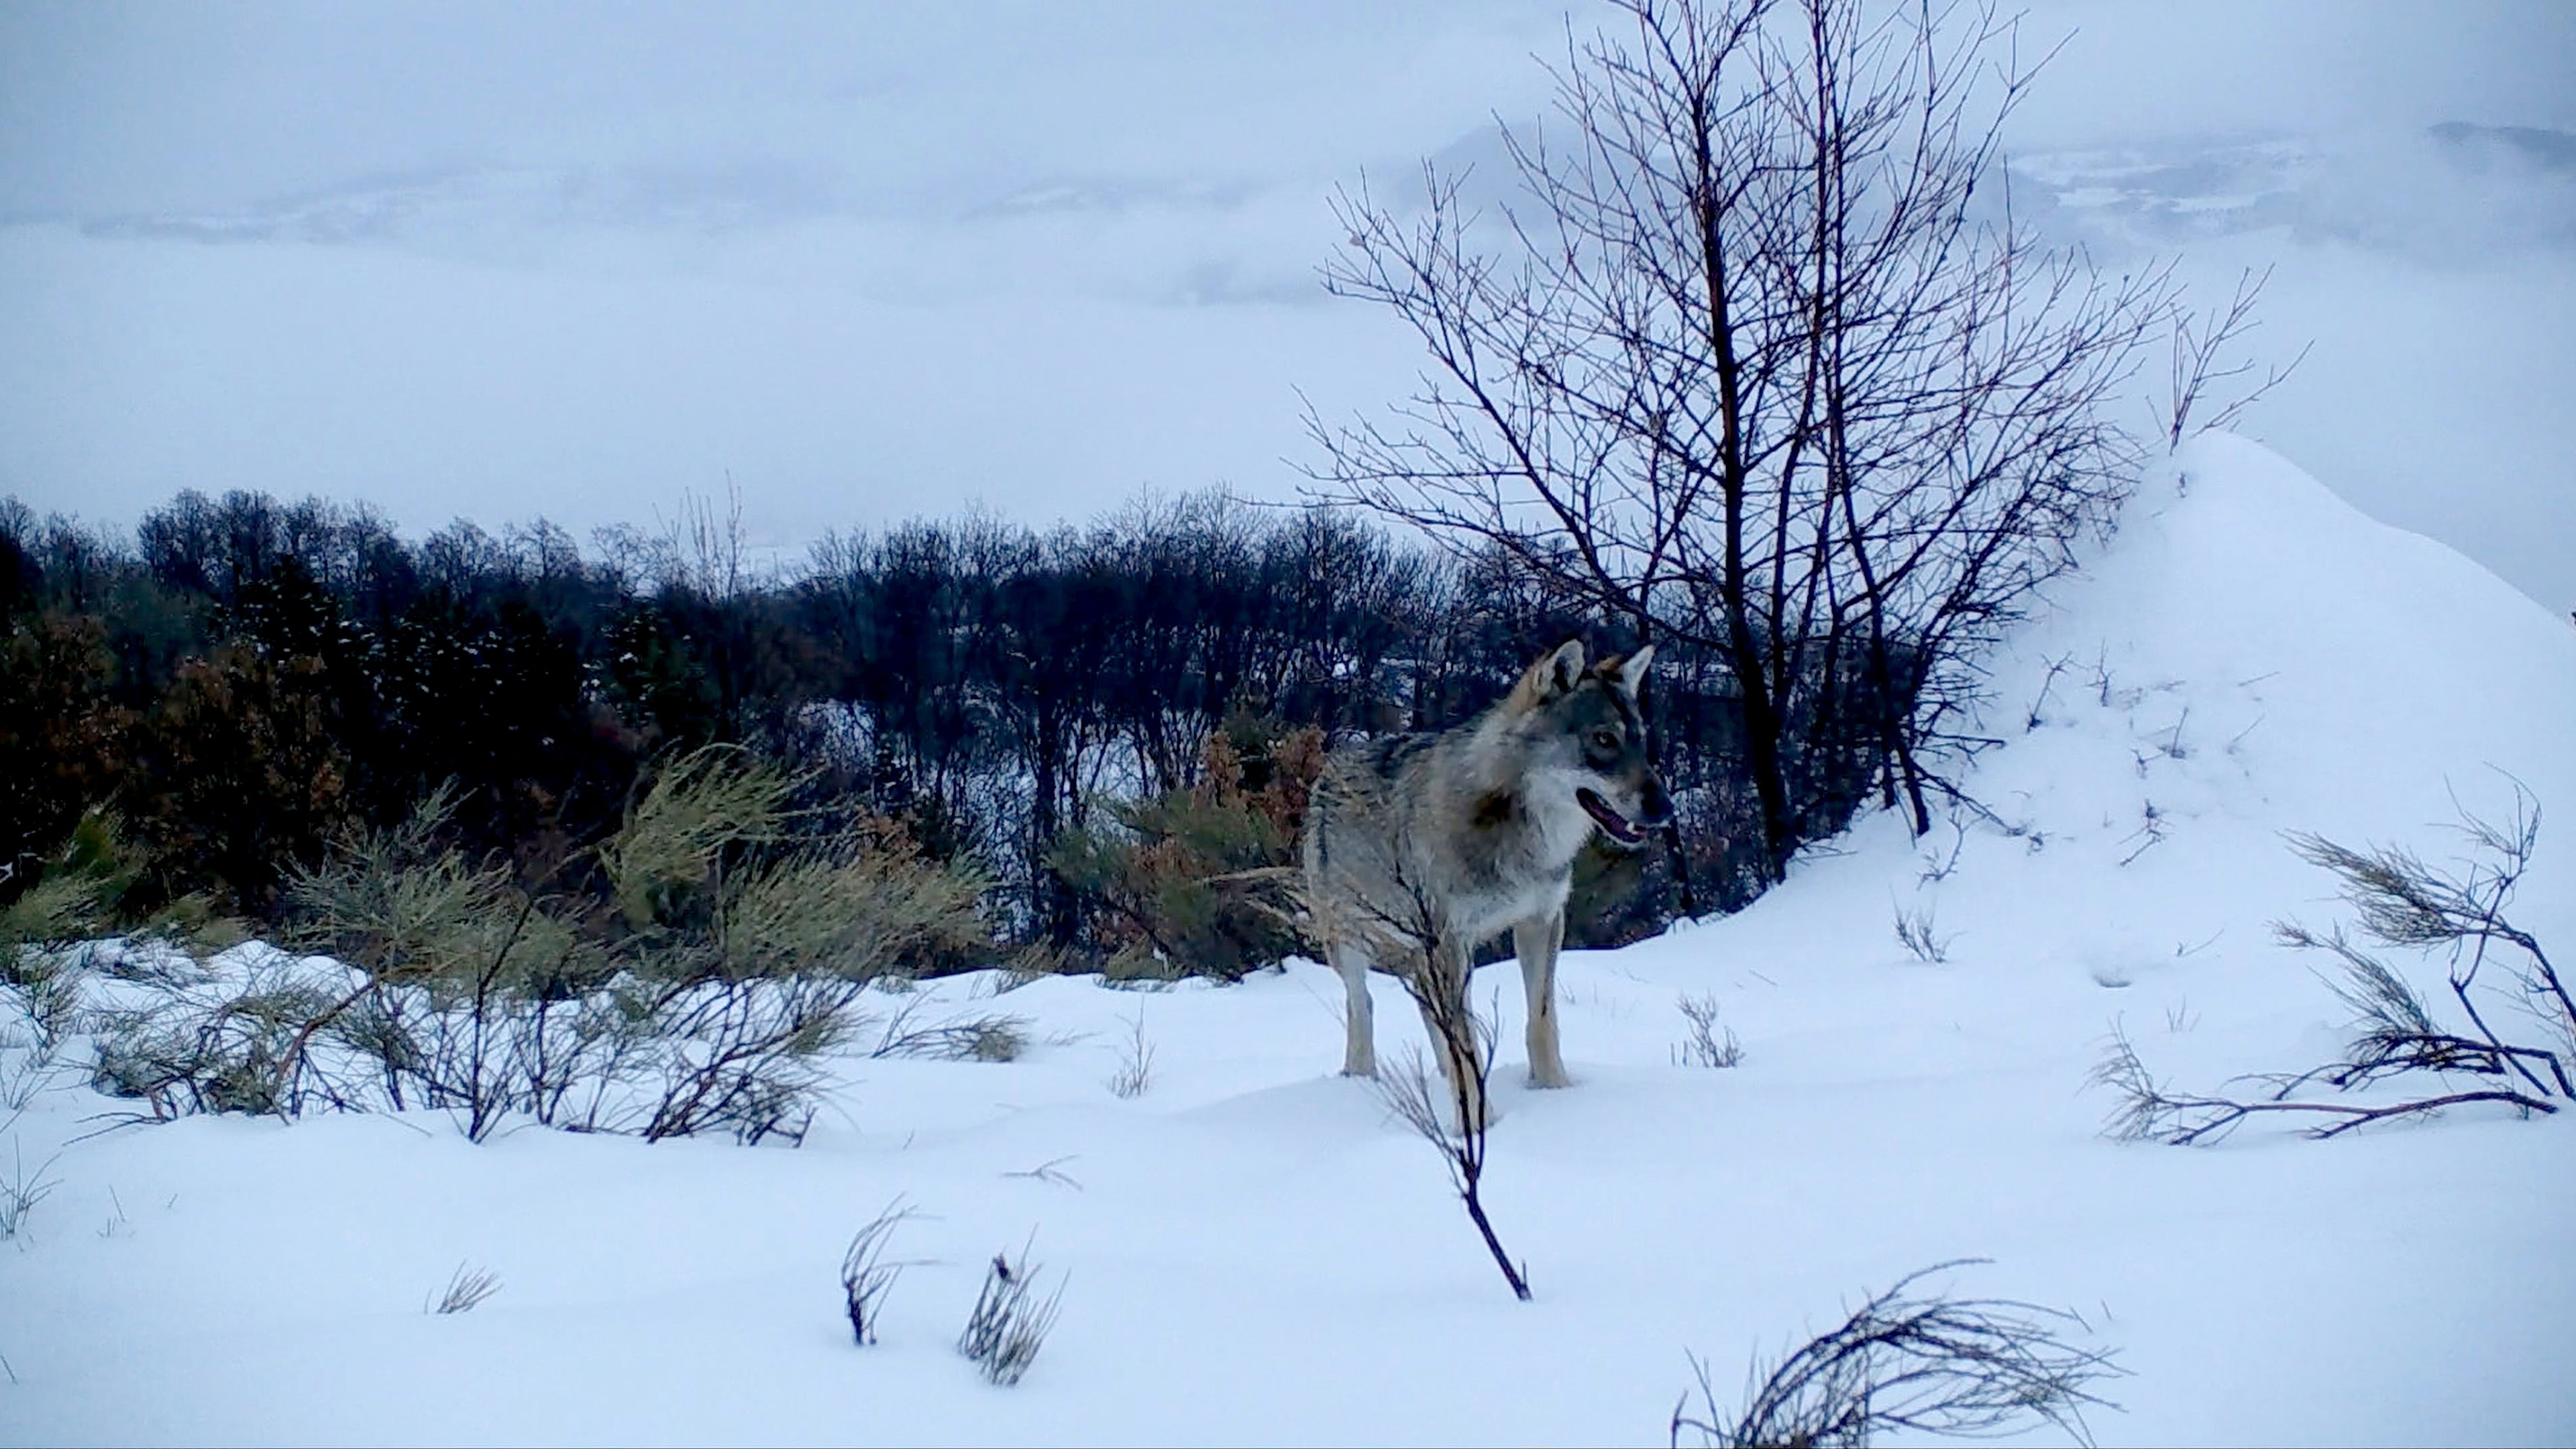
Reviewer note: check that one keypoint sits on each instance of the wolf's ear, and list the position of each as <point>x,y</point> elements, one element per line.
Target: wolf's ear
<point>1630,672</point>
<point>1553,675</point>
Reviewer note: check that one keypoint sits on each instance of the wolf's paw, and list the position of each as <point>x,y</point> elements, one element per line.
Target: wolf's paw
<point>1549,1076</point>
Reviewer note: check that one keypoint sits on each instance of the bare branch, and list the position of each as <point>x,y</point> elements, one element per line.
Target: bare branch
<point>866,1276</point>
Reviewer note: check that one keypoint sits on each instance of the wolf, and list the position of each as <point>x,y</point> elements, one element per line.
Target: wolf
<point>1421,847</point>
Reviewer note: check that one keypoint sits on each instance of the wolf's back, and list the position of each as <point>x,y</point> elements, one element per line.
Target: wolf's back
<point>1373,855</point>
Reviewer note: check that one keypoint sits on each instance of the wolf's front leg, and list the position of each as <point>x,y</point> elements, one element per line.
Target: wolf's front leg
<point>1359,1016</point>
<point>1536,941</point>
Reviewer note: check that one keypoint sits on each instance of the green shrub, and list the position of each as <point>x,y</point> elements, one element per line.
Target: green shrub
<point>241,780</point>
<point>1194,882</point>
<point>63,740</point>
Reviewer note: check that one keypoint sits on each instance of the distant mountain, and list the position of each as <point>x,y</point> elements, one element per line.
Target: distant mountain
<point>2450,188</point>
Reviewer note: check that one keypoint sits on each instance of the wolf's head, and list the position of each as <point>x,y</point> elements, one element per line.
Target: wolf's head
<point>1588,738</point>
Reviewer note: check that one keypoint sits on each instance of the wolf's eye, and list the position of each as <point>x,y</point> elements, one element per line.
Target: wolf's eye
<point>1605,741</point>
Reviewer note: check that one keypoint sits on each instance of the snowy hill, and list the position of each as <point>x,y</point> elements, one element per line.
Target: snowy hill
<point>1255,1252</point>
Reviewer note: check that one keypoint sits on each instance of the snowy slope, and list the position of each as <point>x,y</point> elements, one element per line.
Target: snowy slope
<point>1257,1253</point>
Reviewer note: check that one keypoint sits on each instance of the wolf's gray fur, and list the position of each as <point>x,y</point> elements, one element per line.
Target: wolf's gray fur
<point>1421,847</point>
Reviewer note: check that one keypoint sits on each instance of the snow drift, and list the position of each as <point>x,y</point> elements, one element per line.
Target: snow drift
<point>1252,1251</point>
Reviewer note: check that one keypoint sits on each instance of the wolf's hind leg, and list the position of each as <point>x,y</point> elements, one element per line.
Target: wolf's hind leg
<point>1536,941</point>
<point>1359,1017</point>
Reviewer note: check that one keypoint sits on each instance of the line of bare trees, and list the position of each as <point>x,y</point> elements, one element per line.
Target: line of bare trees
<point>246,680</point>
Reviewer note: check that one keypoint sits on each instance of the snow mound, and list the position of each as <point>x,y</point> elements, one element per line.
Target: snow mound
<point>2352,672</point>
<point>1255,1252</point>
<point>2251,656</point>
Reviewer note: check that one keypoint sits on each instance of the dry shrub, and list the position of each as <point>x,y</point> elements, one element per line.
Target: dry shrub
<point>1135,1062</point>
<point>467,1287</point>
<point>233,1040</point>
<point>981,1036</point>
<point>2402,901</point>
<point>1010,1322</point>
<point>1964,1367</point>
<point>1710,1044</point>
<point>703,995</point>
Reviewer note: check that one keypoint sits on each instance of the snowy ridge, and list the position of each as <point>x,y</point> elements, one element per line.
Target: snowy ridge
<point>1256,1253</point>
<point>2251,656</point>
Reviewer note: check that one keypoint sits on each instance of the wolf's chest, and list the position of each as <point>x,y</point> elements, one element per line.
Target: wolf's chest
<point>1497,901</point>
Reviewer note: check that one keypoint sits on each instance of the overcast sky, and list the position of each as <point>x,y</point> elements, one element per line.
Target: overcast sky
<point>503,260</point>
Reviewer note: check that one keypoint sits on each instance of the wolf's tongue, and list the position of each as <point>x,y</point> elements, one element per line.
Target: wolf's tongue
<point>1610,820</point>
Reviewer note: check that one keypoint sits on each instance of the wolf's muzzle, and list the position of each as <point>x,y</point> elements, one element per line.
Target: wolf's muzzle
<point>1619,827</point>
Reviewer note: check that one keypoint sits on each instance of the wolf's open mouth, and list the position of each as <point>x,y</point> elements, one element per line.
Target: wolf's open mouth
<point>1617,826</point>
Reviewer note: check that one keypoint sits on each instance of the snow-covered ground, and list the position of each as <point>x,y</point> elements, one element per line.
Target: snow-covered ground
<point>1253,1251</point>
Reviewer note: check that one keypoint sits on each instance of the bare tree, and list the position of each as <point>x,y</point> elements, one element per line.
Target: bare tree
<point>1745,366</point>
<point>2198,348</point>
